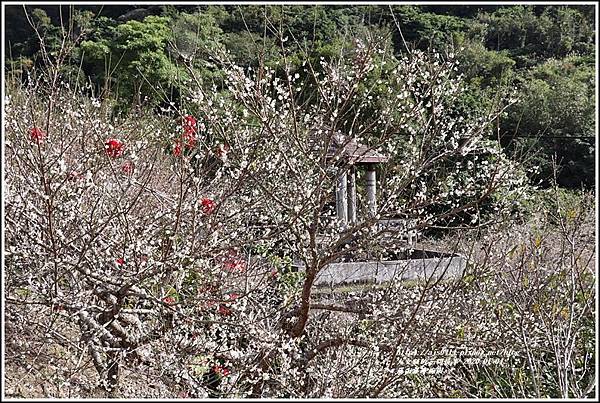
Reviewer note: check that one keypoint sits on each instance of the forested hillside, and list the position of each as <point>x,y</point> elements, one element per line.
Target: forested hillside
<point>545,52</point>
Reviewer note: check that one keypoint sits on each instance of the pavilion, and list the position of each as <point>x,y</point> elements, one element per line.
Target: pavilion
<point>354,154</point>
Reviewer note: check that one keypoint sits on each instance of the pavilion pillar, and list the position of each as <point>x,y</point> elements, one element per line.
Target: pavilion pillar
<point>352,195</point>
<point>371,191</point>
<point>341,198</point>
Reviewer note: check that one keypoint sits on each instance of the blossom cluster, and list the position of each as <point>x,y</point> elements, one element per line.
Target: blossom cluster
<point>198,257</point>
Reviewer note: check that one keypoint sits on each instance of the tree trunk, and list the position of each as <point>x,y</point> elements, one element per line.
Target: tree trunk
<point>298,328</point>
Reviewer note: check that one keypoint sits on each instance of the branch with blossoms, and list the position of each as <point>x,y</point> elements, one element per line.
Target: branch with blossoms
<point>274,135</point>
<point>118,255</point>
<point>174,242</point>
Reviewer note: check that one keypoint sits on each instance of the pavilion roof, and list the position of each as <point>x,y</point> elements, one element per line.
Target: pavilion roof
<point>355,152</point>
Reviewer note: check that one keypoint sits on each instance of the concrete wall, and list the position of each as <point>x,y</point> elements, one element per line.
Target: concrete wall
<point>378,272</point>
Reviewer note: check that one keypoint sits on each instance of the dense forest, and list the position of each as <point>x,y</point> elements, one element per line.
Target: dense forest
<point>543,53</point>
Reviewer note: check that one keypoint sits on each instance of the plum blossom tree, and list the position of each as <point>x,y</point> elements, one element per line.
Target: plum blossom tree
<point>184,264</point>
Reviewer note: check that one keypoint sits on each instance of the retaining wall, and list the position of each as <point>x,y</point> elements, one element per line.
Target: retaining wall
<point>379,272</point>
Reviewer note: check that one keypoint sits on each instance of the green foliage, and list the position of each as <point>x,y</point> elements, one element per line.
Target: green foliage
<point>511,27</point>
<point>247,48</point>
<point>555,204</point>
<point>556,110</point>
<point>142,61</point>
<point>558,31</point>
<point>49,34</point>
<point>195,35</point>
<point>567,30</point>
<point>136,65</point>
<point>428,30</point>
<point>485,68</point>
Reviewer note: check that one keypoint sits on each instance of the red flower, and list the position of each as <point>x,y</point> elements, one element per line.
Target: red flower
<point>169,300</point>
<point>120,261</point>
<point>189,124</point>
<point>233,296</point>
<point>231,261</point>
<point>208,205</point>
<point>177,149</point>
<point>221,151</point>
<point>190,130</point>
<point>113,148</point>
<point>37,135</point>
<point>190,139</point>
<point>128,167</point>
<point>221,370</point>
<point>223,310</point>
<point>232,265</point>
